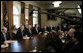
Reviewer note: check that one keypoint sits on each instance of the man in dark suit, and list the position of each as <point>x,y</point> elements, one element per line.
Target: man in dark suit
<point>4,35</point>
<point>28,31</point>
<point>58,27</point>
<point>45,29</point>
<point>77,46</point>
<point>20,32</point>
<point>36,29</point>
<point>51,28</point>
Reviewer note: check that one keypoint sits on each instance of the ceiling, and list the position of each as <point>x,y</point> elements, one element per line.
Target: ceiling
<point>48,4</point>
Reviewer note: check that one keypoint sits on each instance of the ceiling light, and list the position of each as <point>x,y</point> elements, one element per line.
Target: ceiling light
<point>57,3</point>
<point>79,9</point>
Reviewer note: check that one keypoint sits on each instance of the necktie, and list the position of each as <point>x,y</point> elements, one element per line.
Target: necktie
<point>30,30</point>
<point>37,30</point>
<point>22,33</point>
<point>5,36</point>
<point>45,29</point>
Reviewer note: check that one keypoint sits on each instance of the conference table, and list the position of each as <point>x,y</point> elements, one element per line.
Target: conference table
<point>26,45</point>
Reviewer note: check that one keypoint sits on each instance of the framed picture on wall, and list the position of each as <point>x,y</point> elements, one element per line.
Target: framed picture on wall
<point>50,16</point>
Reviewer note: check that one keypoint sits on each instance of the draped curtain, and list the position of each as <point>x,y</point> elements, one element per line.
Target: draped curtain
<point>22,20</point>
<point>30,19</point>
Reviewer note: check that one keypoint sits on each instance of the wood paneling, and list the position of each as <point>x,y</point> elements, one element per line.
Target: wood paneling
<point>10,14</point>
<point>9,6</point>
<point>30,19</point>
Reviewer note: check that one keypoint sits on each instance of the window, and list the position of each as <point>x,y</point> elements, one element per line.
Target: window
<point>35,17</point>
<point>16,14</point>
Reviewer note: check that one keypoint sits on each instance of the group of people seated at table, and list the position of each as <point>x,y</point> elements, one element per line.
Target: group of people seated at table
<point>22,31</point>
<point>73,42</point>
<point>72,37</point>
<point>29,31</point>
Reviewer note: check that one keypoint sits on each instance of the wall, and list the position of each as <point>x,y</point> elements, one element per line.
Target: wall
<point>44,21</point>
<point>55,23</point>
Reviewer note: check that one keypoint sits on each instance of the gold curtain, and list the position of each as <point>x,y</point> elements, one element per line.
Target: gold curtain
<point>9,13</point>
<point>22,20</point>
<point>30,19</point>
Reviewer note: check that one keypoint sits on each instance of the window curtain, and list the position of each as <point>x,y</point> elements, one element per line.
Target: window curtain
<point>22,20</point>
<point>30,19</point>
<point>8,14</point>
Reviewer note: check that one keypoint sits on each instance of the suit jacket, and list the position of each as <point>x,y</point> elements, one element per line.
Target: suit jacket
<point>34,30</point>
<point>76,48</point>
<point>49,29</point>
<point>3,38</point>
<point>43,29</point>
<point>27,32</point>
<point>19,34</point>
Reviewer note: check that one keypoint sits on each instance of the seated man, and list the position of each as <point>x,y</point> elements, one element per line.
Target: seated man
<point>69,37</point>
<point>45,29</point>
<point>36,29</point>
<point>14,31</point>
<point>28,31</point>
<point>20,33</point>
<point>51,28</point>
<point>4,35</point>
<point>77,46</point>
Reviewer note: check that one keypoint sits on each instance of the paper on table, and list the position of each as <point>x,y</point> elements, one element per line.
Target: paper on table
<point>26,37</point>
<point>9,41</point>
<point>12,41</point>
<point>4,45</point>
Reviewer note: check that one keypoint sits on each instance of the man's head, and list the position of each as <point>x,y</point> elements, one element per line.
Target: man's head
<point>22,28</point>
<point>29,26</point>
<point>51,25</point>
<point>45,26</point>
<point>4,30</point>
<point>71,31</point>
<point>36,25</point>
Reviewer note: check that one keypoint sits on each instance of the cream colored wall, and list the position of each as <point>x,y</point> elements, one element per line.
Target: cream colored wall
<point>55,23</point>
<point>44,21</point>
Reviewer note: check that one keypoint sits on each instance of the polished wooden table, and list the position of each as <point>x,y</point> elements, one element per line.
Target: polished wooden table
<point>26,45</point>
